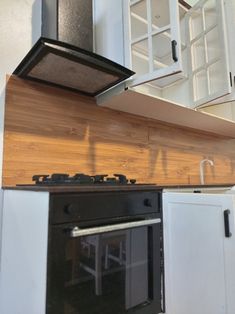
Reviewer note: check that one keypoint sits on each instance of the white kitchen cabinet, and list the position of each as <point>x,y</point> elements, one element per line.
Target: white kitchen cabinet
<point>158,39</point>
<point>201,52</point>
<point>23,252</point>
<point>199,257</point>
<point>224,106</point>
<point>152,39</point>
<point>139,35</point>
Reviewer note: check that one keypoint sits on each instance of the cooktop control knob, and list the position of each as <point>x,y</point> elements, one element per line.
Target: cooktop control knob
<point>132,181</point>
<point>148,202</point>
<point>69,209</point>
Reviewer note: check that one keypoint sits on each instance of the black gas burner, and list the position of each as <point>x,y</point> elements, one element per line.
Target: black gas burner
<point>81,178</point>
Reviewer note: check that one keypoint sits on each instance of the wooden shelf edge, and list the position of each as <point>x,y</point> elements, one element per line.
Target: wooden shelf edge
<point>159,109</point>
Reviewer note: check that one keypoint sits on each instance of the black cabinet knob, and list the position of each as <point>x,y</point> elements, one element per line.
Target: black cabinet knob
<point>148,202</point>
<point>69,209</point>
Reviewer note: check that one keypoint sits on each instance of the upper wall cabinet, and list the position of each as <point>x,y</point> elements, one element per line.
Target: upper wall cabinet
<point>181,50</point>
<point>176,47</point>
<point>152,39</point>
<point>166,37</point>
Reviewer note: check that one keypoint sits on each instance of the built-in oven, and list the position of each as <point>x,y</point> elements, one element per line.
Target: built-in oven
<point>105,253</point>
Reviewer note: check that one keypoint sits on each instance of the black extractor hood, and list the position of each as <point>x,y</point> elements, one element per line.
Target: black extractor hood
<point>64,55</point>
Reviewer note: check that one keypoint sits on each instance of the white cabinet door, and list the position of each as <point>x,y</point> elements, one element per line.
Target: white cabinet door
<point>199,258</point>
<point>24,252</point>
<point>208,69</point>
<point>152,39</point>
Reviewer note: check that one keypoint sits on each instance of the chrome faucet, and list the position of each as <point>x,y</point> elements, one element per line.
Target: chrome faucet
<point>202,168</point>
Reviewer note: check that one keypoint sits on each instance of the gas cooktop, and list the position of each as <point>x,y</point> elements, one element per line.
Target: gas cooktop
<point>81,179</point>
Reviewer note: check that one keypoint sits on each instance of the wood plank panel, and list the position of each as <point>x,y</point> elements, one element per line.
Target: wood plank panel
<point>51,130</point>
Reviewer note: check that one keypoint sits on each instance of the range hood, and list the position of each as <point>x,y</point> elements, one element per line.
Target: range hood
<point>64,56</point>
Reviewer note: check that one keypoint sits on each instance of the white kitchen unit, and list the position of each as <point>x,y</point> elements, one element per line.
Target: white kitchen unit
<point>179,53</point>
<point>191,41</point>
<point>152,39</point>
<point>142,35</point>
<point>24,252</point>
<point>199,251</point>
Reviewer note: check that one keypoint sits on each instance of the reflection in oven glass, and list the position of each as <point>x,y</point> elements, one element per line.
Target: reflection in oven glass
<point>107,272</point>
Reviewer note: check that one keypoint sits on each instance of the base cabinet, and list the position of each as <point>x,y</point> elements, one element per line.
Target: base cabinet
<point>199,256</point>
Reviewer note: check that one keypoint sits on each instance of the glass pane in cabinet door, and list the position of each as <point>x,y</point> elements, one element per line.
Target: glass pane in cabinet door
<point>160,13</point>
<point>212,40</point>
<point>140,57</point>
<point>139,20</point>
<point>162,51</point>
<point>210,13</point>
<point>196,23</point>
<point>198,54</point>
<point>200,85</point>
<point>216,76</point>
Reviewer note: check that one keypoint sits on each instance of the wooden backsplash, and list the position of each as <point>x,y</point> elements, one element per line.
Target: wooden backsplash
<point>51,130</point>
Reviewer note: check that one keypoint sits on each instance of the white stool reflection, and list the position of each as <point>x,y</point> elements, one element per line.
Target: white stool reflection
<point>129,249</point>
<point>109,241</point>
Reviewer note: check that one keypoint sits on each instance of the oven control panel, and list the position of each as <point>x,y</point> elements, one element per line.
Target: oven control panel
<point>90,206</point>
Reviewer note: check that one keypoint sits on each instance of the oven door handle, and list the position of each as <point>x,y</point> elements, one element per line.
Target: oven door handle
<point>78,232</point>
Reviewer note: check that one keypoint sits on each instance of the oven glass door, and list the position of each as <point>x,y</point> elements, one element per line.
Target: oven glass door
<point>104,272</point>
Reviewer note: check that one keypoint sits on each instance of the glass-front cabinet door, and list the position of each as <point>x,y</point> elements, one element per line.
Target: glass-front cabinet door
<point>208,69</point>
<point>152,39</point>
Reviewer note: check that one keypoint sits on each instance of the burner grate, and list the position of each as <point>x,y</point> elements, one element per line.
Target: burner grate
<point>81,178</point>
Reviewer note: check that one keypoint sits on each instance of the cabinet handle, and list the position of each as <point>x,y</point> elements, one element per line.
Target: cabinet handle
<point>227,232</point>
<point>174,51</point>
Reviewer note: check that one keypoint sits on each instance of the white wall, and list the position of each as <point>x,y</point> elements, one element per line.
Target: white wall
<point>108,29</point>
<point>20,27</point>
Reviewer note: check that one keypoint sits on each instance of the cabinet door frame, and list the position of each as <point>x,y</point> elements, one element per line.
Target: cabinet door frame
<point>225,89</point>
<point>220,202</point>
<point>174,27</point>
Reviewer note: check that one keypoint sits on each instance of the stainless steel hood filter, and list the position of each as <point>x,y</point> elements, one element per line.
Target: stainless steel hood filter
<point>62,56</point>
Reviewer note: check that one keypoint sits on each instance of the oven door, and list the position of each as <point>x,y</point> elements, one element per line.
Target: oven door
<point>107,269</point>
